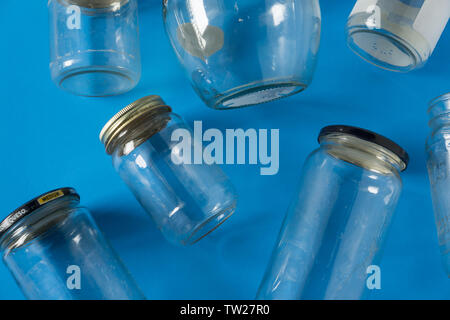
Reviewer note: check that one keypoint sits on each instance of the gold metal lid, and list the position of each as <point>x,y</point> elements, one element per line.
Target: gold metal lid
<point>96,4</point>
<point>131,116</point>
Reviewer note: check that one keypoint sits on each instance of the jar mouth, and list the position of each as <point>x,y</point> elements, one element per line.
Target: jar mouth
<point>127,120</point>
<point>51,200</point>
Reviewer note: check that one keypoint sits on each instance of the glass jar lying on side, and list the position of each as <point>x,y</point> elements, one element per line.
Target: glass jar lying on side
<point>398,35</point>
<point>150,146</point>
<point>242,53</point>
<point>55,251</point>
<point>438,162</point>
<point>94,46</point>
<point>336,225</point>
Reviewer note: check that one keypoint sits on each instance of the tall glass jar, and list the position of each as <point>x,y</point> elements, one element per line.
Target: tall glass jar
<point>152,150</point>
<point>55,251</point>
<point>244,52</point>
<point>337,221</point>
<point>398,35</point>
<point>94,46</point>
<point>438,162</point>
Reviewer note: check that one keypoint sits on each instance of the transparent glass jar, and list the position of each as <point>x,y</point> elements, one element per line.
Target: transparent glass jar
<point>246,52</point>
<point>55,251</point>
<point>94,46</point>
<point>398,35</point>
<point>337,222</point>
<point>438,163</point>
<point>151,148</point>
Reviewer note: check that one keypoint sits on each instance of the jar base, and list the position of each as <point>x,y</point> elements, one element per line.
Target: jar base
<point>97,81</point>
<point>210,225</point>
<point>257,93</point>
<point>383,49</point>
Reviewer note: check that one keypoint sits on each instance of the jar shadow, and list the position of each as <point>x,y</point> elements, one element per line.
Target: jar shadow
<point>124,221</point>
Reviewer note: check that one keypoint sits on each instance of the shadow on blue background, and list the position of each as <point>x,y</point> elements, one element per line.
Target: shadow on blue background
<point>50,139</point>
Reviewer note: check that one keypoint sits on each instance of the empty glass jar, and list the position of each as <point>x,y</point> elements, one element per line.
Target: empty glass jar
<point>94,46</point>
<point>337,221</point>
<point>438,162</point>
<point>55,251</point>
<point>246,52</point>
<point>152,150</point>
<point>398,35</point>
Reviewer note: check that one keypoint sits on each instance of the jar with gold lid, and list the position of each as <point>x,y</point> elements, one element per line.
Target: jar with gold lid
<point>151,149</point>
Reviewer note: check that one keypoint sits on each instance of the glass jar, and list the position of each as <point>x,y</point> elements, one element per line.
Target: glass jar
<point>438,163</point>
<point>246,52</point>
<point>151,149</point>
<point>55,251</point>
<point>94,46</point>
<point>337,222</point>
<point>398,35</point>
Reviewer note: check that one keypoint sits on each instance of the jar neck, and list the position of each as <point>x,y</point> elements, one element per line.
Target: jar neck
<point>362,153</point>
<point>38,223</point>
<point>439,113</point>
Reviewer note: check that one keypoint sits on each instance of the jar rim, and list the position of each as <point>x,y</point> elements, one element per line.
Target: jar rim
<point>129,116</point>
<point>35,204</point>
<point>96,4</point>
<point>368,136</point>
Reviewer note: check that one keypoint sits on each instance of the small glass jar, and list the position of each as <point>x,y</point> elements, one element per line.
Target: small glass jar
<point>438,162</point>
<point>55,251</point>
<point>242,53</point>
<point>398,35</point>
<point>151,149</point>
<point>94,46</point>
<point>337,222</point>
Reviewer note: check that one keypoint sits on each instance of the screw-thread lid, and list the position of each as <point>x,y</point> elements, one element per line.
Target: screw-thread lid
<point>368,136</point>
<point>129,116</point>
<point>34,204</point>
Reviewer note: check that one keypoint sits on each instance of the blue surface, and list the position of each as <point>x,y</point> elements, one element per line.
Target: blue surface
<point>50,139</point>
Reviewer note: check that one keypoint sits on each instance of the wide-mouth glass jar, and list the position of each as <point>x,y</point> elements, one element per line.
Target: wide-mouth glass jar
<point>398,35</point>
<point>55,251</point>
<point>94,46</point>
<point>336,225</point>
<point>244,52</point>
<point>151,149</point>
<point>438,163</point>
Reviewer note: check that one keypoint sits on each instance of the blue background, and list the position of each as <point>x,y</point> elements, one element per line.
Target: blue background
<point>50,139</point>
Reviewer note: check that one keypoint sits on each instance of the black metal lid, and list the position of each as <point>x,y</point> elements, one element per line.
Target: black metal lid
<point>368,136</point>
<point>33,205</point>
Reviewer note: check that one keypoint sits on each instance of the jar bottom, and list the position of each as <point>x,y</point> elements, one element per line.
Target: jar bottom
<point>383,49</point>
<point>97,81</point>
<point>256,93</point>
<point>211,224</point>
